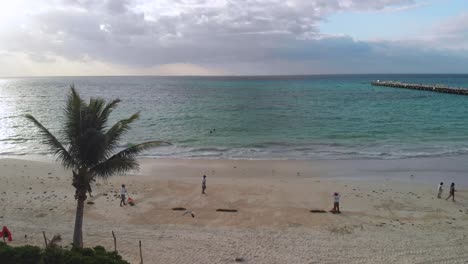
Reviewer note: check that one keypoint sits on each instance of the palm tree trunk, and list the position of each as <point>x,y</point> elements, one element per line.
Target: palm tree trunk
<point>78,231</point>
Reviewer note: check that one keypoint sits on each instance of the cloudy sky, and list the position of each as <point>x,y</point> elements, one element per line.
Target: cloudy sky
<point>232,37</point>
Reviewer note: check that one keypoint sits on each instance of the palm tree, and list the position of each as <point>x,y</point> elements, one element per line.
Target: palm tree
<point>89,146</point>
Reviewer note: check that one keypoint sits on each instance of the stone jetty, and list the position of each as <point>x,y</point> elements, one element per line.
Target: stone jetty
<point>424,87</point>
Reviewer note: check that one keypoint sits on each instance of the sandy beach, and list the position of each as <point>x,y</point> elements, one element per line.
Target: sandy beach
<point>392,217</point>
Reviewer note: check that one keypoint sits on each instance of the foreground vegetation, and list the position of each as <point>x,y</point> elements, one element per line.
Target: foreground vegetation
<point>55,255</point>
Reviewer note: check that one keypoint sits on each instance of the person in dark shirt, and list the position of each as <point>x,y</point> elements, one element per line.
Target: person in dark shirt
<point>452,192</point>
<point>203,186</point>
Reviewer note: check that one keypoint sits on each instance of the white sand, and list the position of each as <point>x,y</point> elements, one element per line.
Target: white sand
<point>383,221</point>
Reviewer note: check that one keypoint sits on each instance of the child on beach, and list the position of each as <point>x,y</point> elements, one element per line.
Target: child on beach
<point>203,186</point>
<point>336,203</point>
<point>440,190</point>
<point>123,191</point>
<point>452,192</point>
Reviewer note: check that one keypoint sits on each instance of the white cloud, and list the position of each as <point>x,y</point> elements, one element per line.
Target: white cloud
<point>452,33</point>
<point>197,36</point>
<point>20,64</point>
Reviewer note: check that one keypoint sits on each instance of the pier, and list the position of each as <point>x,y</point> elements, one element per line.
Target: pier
<point>424,87</point>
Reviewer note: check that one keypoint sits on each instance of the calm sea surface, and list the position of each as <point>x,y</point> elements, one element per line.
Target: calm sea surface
<point>307,117</point>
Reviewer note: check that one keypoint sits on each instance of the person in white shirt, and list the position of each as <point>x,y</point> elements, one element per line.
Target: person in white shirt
<point>336,203</point>
<point>440,190</point>
<point>123,191</point>
<point>203,186</point>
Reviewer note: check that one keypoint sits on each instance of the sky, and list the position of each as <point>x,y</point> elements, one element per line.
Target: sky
<point>232,37</point>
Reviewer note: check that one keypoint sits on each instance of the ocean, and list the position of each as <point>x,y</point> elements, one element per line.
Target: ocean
<point>282,117</point>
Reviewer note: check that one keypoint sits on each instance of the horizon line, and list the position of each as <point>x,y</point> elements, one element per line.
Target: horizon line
<point>240,75</point>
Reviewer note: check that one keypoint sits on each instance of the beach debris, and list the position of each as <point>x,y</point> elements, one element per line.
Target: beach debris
<point>227,210</point>
<point>239,259</point>
<point>189,212</point>
<point>317,211</point>
<point>130,201</point>
<point>179,209</point>
<point>41,215</point>
<point>54,241</point>
<point>342,230</point>
<point>90,202</point>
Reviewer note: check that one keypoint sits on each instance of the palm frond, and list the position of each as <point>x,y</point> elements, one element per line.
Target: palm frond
<point>73,128</point>
<point>55,146</point>
<point>124,160</point>
<point>115,133</point>
<point>92,147</point>
<point>95,107</point>
<point>103,116</point>
<point>116,165</point>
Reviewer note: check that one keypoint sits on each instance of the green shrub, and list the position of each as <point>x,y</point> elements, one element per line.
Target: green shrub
<point>23,254</point>
<point>56,255</point>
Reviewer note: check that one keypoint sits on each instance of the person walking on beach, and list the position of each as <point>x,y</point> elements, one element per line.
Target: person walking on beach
<point>440,190</point>
<point>203,185</point>
<point>90,190</point>
<point>452,192</point>
<point>123,191</point>
<point>336,203</point>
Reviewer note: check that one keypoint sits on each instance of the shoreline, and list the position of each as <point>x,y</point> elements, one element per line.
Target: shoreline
<point>421,170</point>
<point>382,220</point>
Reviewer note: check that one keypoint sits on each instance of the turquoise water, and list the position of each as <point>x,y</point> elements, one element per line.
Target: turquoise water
<point>307,117</point>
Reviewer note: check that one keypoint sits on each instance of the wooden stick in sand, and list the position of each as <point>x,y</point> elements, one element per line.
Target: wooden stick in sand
<point>141,256</point>
<point>115,241</point>
<point>45,239</point>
